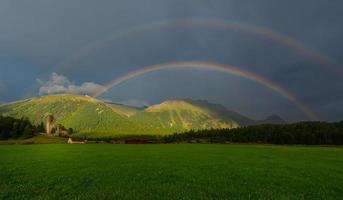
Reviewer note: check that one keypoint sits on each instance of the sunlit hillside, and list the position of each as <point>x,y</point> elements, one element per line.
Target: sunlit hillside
<point>90,116</point>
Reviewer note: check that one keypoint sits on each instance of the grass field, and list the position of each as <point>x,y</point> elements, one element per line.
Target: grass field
<point>173,171</point>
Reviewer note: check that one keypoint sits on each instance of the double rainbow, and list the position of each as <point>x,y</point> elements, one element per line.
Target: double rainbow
<point>217,67</point>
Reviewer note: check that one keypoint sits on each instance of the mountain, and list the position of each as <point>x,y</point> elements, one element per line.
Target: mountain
<point>90,116</point>
<point>272,119</point>
<point>181,114</point>
<point>221,111</point>
<point>82,113</point>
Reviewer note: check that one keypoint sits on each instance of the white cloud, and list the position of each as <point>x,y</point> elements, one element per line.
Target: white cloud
<point>60,84</point>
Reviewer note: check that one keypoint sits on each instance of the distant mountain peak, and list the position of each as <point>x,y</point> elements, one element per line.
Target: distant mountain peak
<point>173,104</point>
<point>272,119</point>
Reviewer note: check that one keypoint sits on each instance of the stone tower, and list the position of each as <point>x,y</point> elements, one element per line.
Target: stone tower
<point>49,123</point>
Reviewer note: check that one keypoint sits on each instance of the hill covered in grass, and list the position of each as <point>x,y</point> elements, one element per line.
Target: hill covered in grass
<point>93,117</point>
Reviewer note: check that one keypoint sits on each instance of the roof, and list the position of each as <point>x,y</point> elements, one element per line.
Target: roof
<point>77,139</point>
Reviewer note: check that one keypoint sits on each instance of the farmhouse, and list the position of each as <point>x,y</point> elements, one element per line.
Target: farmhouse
<point>76,141</point>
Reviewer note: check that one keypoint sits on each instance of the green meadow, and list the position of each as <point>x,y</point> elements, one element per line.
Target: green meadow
<point>170,171</point>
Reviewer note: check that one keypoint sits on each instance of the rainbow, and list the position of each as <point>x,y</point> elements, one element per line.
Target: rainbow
<point>217,67</point>
<point>277,37</point>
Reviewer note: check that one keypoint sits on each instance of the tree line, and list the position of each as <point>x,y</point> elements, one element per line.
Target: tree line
<point>18,128</point>
<point>309,133</point>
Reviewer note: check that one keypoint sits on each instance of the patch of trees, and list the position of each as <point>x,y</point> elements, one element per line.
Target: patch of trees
<point>309,133</point>
<point>132,139</point>
<point>18,128</point>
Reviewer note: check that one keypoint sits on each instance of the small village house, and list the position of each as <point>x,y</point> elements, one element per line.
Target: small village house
<point>76,141</point>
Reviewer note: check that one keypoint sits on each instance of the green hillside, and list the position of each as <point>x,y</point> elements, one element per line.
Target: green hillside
<point>187,114</point>
<point>90,116</point>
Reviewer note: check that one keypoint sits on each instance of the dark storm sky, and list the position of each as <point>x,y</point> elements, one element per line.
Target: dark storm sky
<point>47,46</point>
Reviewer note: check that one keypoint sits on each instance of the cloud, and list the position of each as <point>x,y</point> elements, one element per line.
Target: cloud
<point>60,84</point>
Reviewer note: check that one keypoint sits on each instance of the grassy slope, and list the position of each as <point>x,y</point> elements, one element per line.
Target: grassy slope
<point>170,171</point>
<point>189,115</point>
<point>89,116</point>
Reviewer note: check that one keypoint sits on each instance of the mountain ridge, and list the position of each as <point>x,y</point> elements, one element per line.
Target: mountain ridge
<point>94,117</point>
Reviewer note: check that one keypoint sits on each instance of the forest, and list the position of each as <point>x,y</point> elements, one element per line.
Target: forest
<point>12,128</point>
<point>308,133</point>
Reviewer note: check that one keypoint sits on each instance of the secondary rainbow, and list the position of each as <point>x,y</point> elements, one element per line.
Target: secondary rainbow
<point>264,32</point>
<point>217,67</point>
